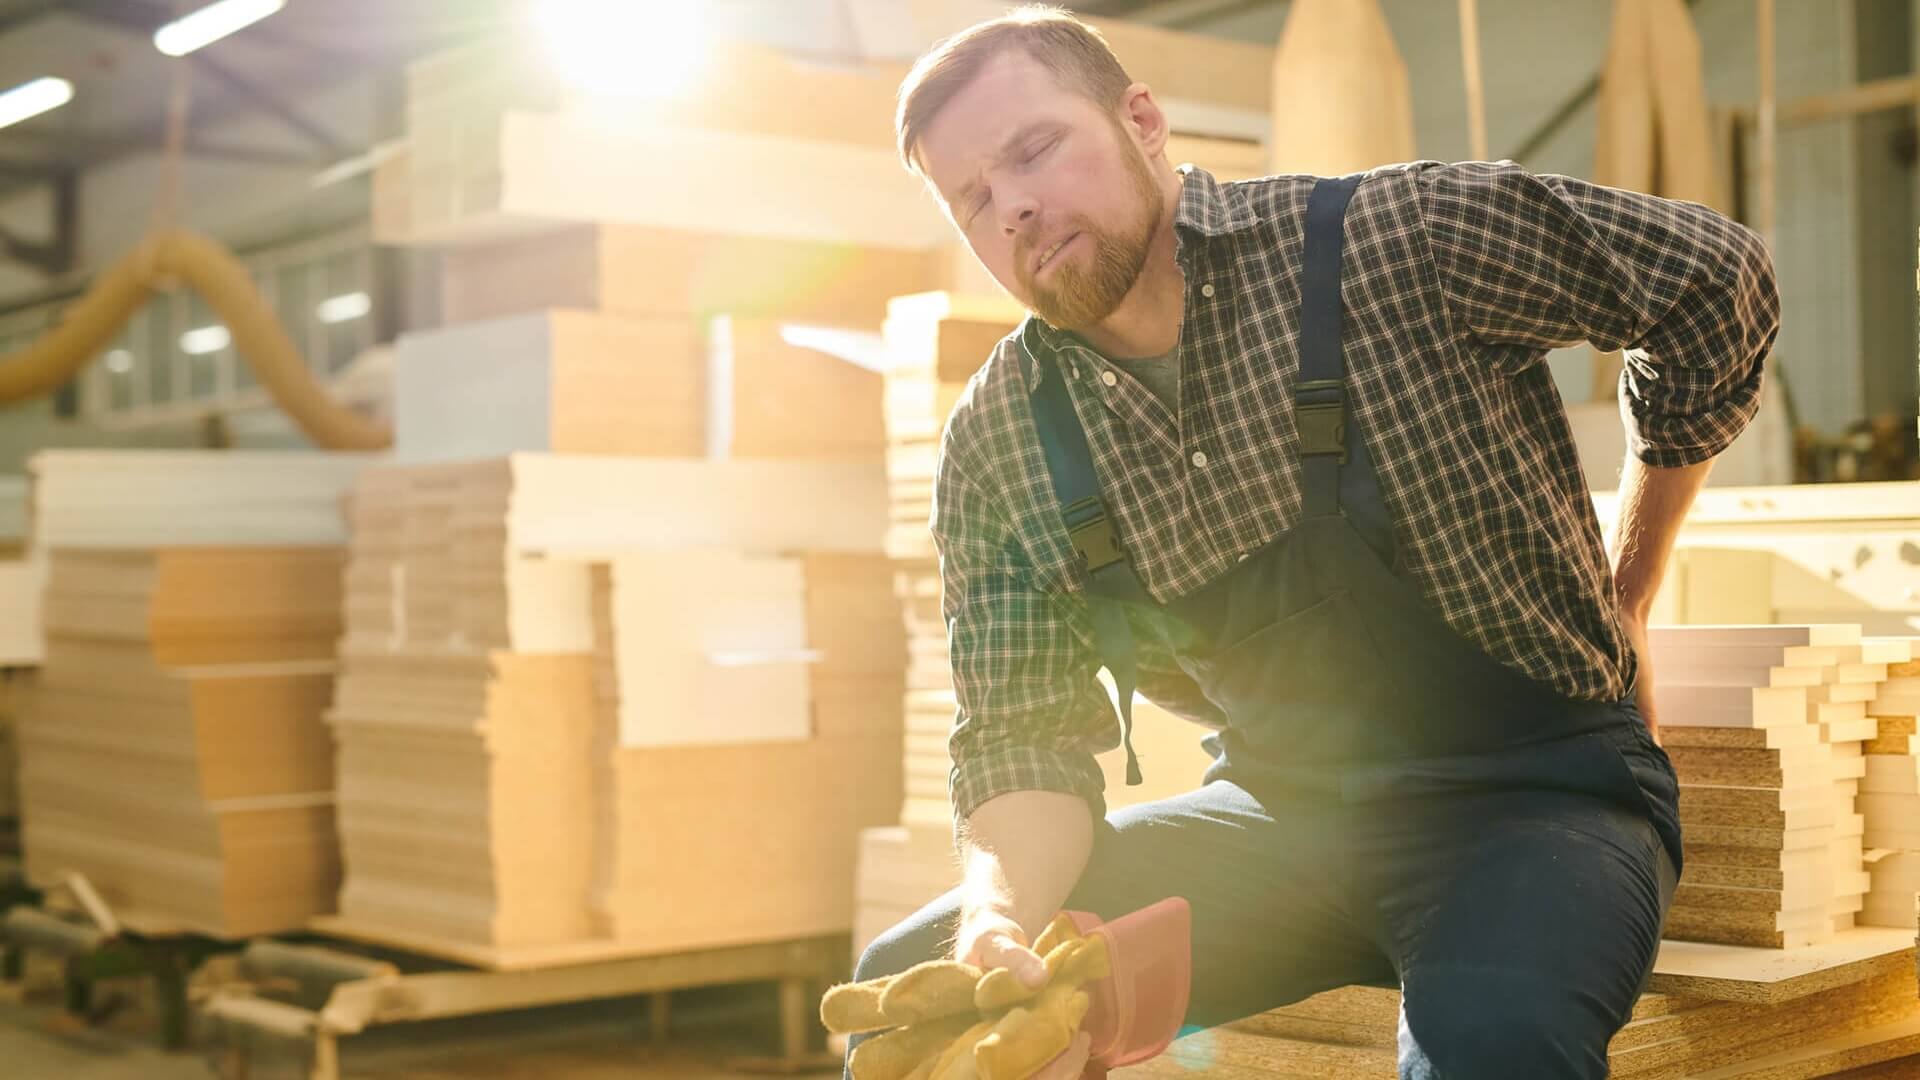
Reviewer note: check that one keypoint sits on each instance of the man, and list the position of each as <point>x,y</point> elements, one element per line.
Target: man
<point>1287,450</point>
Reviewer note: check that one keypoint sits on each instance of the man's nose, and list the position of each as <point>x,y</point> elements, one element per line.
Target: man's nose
<point>1018,211</point>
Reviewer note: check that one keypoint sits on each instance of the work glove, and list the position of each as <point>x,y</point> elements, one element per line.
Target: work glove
<point>947,1020</point>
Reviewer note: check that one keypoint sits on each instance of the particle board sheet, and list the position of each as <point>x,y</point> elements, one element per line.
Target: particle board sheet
<point>487,802</point>
<point>667,273</point>
<point>777,388</point>
<point>1765,726</point>
<point>1890,792</point>
<point>173,748</point>
<point>560,381</point>
<point>489,554</point>
<point>1352,1032</point>
<point>21,582</point>
<point>465,794</point>
<point>513,172</point>
<point>704,646</point>
<point>155,498</point>
<point>761,841</point>
<point>581,382</point>
<point>200,605</point>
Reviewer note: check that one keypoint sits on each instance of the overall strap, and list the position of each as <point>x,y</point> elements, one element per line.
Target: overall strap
<point>1112,582</point>
<point>1320,392</point>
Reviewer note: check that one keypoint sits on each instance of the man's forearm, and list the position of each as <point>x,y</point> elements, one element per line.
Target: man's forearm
<point>1653,503</point>
<point>1024,852</point>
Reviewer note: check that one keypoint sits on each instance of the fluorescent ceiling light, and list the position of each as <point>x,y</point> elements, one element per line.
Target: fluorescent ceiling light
<point>211,23</point>
<point>33,98</point>
<point>119,361</point>
<point>343,307</point>
<point>205,339</point>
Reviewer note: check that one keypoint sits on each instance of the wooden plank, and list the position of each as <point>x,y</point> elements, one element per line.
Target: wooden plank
<point>552,381</point>
<point>544,171</point>
<point>1768,976</point>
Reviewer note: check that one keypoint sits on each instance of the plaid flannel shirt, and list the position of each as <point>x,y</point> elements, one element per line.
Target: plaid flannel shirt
<point>1456,281</point>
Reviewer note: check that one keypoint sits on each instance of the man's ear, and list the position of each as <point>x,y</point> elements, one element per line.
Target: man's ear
<point>1140,114</point>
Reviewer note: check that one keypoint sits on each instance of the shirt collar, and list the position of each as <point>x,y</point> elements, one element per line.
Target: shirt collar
<point>1207,209</point>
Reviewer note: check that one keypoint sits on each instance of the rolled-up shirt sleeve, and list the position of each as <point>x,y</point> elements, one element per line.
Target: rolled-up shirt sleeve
<point>1031,711</point>
<point>1548,261</point>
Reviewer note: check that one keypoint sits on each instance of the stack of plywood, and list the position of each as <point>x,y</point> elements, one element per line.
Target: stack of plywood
<point>581,643</point>
<point>588,382</point>
<point>1890,797</point>
<point>1689,1028</point>
<point>1764,725</point>
<point>173,751</point>
<point>497,146</point>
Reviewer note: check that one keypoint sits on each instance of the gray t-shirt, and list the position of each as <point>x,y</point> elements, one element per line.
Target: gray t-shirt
<point>1160,374</point>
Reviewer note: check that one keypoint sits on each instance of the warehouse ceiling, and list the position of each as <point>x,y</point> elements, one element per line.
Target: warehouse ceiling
<point>255,98</point>
<point>105,48</point>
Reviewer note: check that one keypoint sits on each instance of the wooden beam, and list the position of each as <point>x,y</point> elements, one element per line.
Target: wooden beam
<point>1767,123</point>
<point>1895,93</point>
<point>1476,90</point>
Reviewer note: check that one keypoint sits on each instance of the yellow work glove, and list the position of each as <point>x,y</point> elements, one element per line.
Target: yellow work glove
<point>945,1020</point>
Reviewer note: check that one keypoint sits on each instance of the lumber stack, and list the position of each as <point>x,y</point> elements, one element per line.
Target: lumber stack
<point>774,754</point>
<point>652,677</point>
<point>1351,1032</point>
<point>173,750</point>
<point>1890,797</point>
<point>1764,725</point>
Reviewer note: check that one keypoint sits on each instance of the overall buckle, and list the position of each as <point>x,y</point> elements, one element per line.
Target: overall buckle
<point>1091,531</point>
<point>1320,417</point>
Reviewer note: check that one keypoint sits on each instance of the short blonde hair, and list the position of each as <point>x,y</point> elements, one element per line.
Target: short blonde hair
<point>1076,54</point>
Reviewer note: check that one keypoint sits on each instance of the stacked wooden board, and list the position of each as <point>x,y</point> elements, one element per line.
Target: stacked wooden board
<point>1764,725</point>
<point>498,145</point>
<point>1352,1032</point>
<point>645,682</point>
<point>1890,797</point>
<point>587,382</point>
<point>173,750</point>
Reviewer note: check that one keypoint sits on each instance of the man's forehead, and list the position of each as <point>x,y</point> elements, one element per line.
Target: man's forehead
<point>1011,96</point>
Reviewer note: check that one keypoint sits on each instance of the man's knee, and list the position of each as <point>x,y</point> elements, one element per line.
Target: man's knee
<point>1492,1024</point>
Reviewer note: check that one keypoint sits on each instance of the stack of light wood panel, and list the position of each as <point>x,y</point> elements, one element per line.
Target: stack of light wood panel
<point>1352,1033</point>
<point>632,809</point>
<point>498,145</point>
<point>1764,725</point>
<point>775,742</point>
<point>173,750</point>
<point>1890,797</point>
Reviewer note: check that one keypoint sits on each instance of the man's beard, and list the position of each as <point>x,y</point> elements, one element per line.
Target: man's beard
<point>1080,294</point>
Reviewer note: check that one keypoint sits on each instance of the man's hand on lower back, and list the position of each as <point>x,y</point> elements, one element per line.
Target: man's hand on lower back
<point>1636,628</point>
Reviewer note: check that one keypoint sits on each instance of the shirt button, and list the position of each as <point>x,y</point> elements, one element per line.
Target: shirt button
<point>1200,458</point>
<point>1207,290</point>
<point>1109,378</point>
<point>1244,556</point>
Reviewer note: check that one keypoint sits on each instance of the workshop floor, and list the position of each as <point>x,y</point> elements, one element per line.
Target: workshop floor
<point>597,1041</point>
